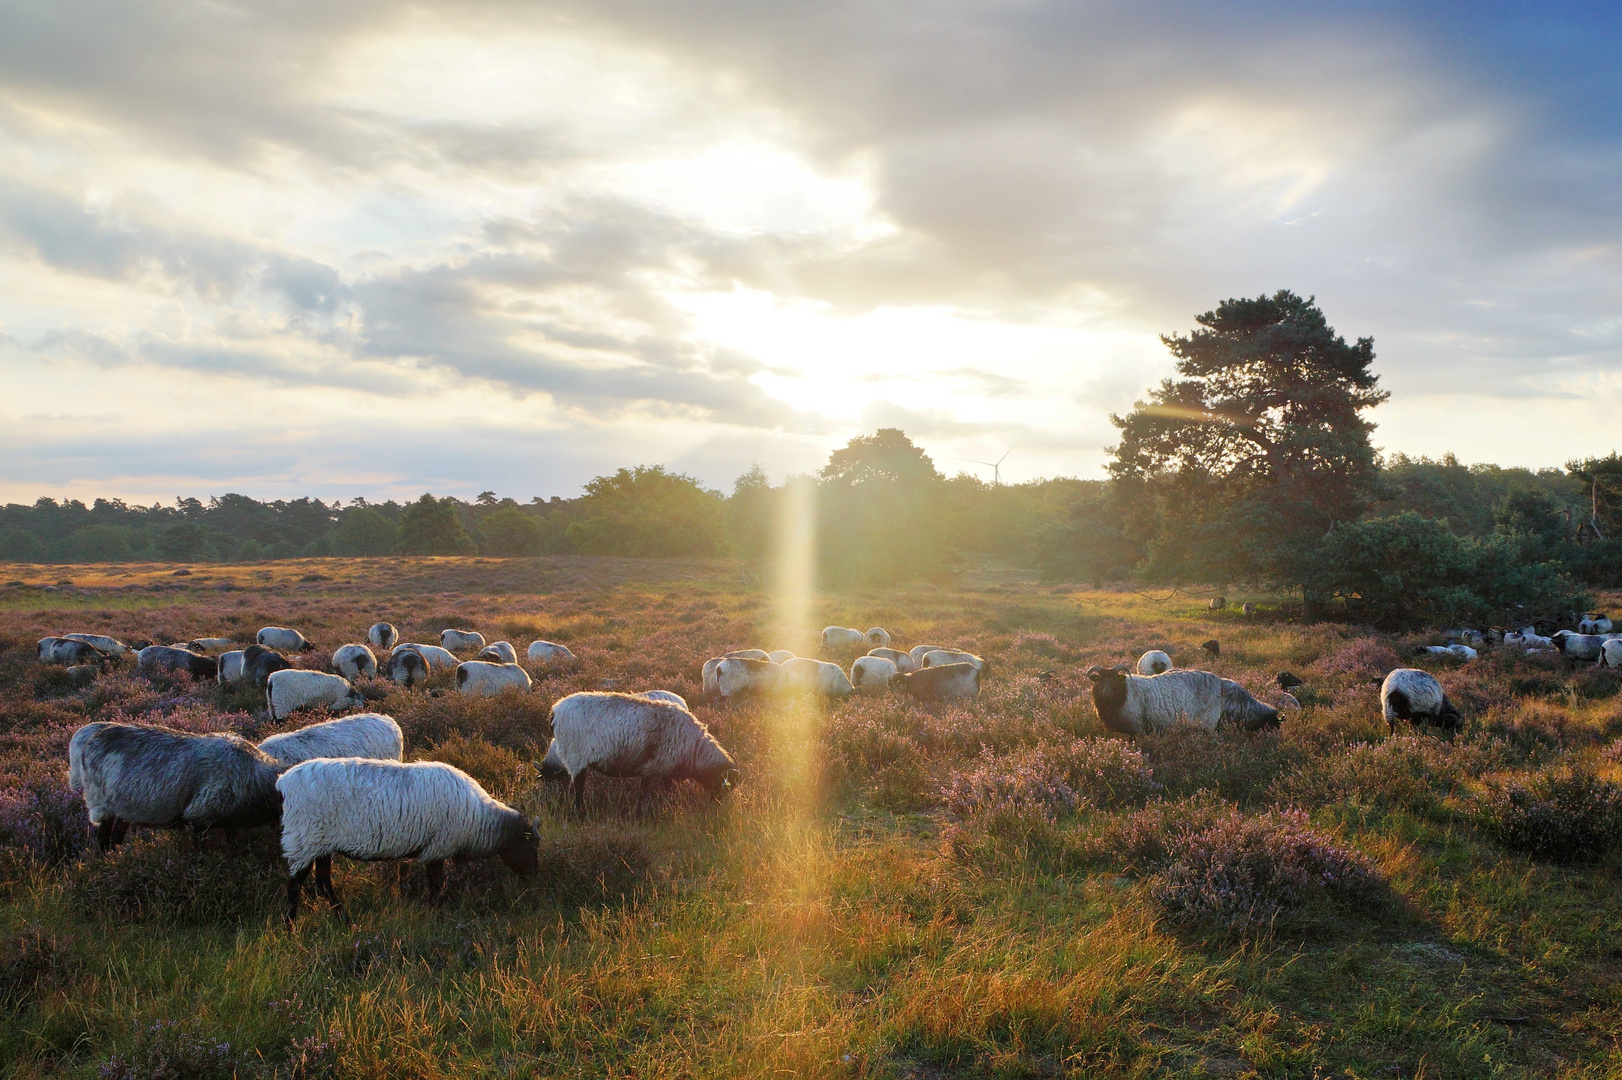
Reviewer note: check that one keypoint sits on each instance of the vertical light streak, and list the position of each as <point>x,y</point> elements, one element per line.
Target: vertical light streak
<point>793,584</point>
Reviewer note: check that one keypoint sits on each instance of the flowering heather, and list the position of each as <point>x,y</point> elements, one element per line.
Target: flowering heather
<point>1567,816</point>
<point>1409,772</point>
<point>165,1050</point>
<point>44,819</point>
<point>1247,874</point>
<point>1364,658</point>
<point>1051,780</point>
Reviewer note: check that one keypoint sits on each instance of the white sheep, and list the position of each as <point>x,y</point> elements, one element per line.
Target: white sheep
<point>665,695</point>
<point>499,652</point>
<point>711,682</point>
<point>232,667</point>
<point>1139,704</point>
<point>1415,696</point>
<point>1611,653</point>
<point>877,638</point>
<point>1594,624</point>
<point>293,688</point>
<point>841,638</point>
<point>1457,652</point>
<point>749,654</point>
<point>139,774</point>
<point>353,661</point>
<point>872,674</point>
<point>102,643</point>
<point>407,668</point>
<point>382,635</point>
<point>481,678</point>
<point>70,652</point>
<point>946,682</point>
<point>1579,646</point>
<point>937,657</point>
<point>736,676</point>
<point>364,735</point>
<point>436,658</point>
<point>629,735</point>
<point>777,656</point>
<point>1516,640</point>
<point>460,640</point>
<point>1153,662</point>
<point>918,652</point>
<point>377,810</point>
<point>548,652</point>
<point>211,646</point>
<point>902,661</point>
<point>807,676</point>
<point>282,639</point>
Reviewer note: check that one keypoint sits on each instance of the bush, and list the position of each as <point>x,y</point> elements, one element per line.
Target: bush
<point>1569,815</point>
<point>1237,765</point>
<point>431,526</point>
<point>1249,874</point>
<point>1142,841</point>
<point>1051,780</point>
<point>45,820</point>
<point>153,879</point>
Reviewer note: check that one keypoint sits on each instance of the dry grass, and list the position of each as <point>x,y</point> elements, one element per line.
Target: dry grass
<point>894,891</point>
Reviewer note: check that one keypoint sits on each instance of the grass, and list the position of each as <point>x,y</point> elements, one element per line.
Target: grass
<point>894,891</point>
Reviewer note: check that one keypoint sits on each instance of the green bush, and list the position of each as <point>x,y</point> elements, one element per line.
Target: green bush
<point>431,526</point>
<point>1568,815</point>
<point>646,511</point>
<point>510,531</point>
<point>364,531</point>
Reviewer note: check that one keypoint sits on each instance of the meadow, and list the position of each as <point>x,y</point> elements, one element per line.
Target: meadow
<point>997,889</point>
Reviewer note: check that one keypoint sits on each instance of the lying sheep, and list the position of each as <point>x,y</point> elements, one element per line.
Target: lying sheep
<point>777,656</point>
<point>377,810</point>
<point>841,639</point>
<point>1153,662</point>
<point>628,735</point>
<point>382,636</point>
<point>806,676</point>
<point>499,652</point>
<point>364,735</point>
<point>1457,652</point>
<point>548,652</point>
<point>944,682</point>
<point>737,676</point>
<point>211,646</point>
<point>436,658</point>
<point>282,640</point>
<point>878,638</point>
<point>289,690</point>
<point>482,678</point>
<point>169,658</point>
<point>460,640</point>
<point>1415,696</point>
<point>259,663</point>
<point>102,643</point>
<point>872,674</point>
<point>407,668</point>
<point>1594,624</point>
<point>1515,640</point>
<point>902,661</point>
<point>353,661</point>
<point>139,774</point>
<point>938,657</point>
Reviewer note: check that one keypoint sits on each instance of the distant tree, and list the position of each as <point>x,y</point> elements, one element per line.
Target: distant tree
<point>883,512</point>
<point>510,532</point>
<point>1602,482</point>
<point>1260,448</point>
<point>364,531</point>
<point>19,545</point>
<point>647,511</point>
<point>886,455</point>
<point>184,541</point>
<point>486,498</point>
<point>752,518</point>
<point>98,543</point>
<point>431,526</point>
<point>1090,546</point>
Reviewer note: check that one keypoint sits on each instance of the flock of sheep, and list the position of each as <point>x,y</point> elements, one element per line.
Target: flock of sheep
<point>342,786</point>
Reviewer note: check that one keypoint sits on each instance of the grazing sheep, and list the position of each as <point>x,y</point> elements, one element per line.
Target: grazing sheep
<point>872,674</point>
<point>1153,662</point>
<point>377,810</point>
<point>1287,681</point>
<point>169,658</point>
<point>1217,603</point>
<point>918,652</point>
<point>71,652</point>
<point>102,643</point>
<point>1578,646</point>
<point>712,686</point>
<point>231,667</point>
<point>258,663</point>
<point>841,638</point>
<point>902,661</point>
<point>1242,710</point>
<point>945,682</point>
<point>665,695</point>
<point>878,637</point>
<point>1516,640</point>
<point>548,652</point>
<point>1213,647</point>
<point>628,735</point>
<point>407,668</point>
<point>1138,704</point>
<point>938,657</point>
<point>1247,609</point>
<point>1611,653</point>
<point>353,661</point>
<point>749,654</point>
<point>777,656</point>
<point>211,646</point>
<point>499,652</point>
<point>1415,696</point>
<point>382,636</point>
<point>736,676</point>
<point>139,774</point>
<point>1594,624</point>
<point>282,640</point>
<point>436,658</point>
<point>460,640</point>
<point>482,678</point>
<point>807,676</point>
<point>291,689</point>
<point>364,735</point>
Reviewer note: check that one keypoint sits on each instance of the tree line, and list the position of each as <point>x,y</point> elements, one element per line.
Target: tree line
<point>1253,467</point>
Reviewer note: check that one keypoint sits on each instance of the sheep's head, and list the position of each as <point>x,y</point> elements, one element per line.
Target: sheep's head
<point>521,852</point>
<point>725,784</point>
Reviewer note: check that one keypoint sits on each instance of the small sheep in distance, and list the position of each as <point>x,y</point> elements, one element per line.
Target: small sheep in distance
<point>169,658</point>
<point>807,676</point>
<point>498,652</point>
<point>353,661</point>
<point>482,678</point>
<point>1415,696</point>
<point>211,646</point>
<point>102,643</point>
<point>292,689</point>
<point>842,639</point>
<point>460,640</point>
<point>384,810</point>
<point>382,635</point>
<point>548,652</point>
<point>436,658</point>
<point>407,668</point>
<point>872,674</point>
<point>878,637</point>
<point>630,735</point>
<point>282,640</point>
<point>1153,662</point>
<point>364,735</point>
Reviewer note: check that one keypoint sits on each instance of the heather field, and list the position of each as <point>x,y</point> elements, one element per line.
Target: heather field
<point>999,889</point>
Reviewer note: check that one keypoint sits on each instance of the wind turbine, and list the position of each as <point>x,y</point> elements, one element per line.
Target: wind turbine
<point>996,466</point>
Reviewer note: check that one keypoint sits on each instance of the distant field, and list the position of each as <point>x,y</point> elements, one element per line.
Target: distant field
<point>894,891</point>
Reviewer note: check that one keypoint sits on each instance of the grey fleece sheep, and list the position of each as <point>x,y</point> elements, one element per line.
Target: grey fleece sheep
<point>1415,696</point>
<point>138,774</point>
<point>169,658</point>
<point>631,735</point>
<point>1138,704</point>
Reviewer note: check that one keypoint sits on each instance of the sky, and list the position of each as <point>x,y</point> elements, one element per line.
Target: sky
<point>372,249</point>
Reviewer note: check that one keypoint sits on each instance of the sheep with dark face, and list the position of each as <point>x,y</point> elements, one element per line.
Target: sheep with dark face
<point>941,682</point>
<point>353,661</point>
<point>384,810</point>
<point>498,652</point>
<point>382,635</point>
<point>461,640</point>
<point>436,658</point>
<point>1575,646</point>
<point>290,690</point>
<point>1242,710</point>
<point>260,663</point>
<point>407,668</point>
<point>71,652</point>
<point>1415,696</point>
<point>282,640</point>
<point>138,774</point>
<point>632,735</point>
<point>878,637</point>
<point>169,658</point>
<point>1139,704</point>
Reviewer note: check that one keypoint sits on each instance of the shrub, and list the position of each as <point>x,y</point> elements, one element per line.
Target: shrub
<point>1051,779</point>
<point>1142,841</point>
<point>500,771</point>
<point>30,961</point>
<point>1410,772</point>
<point>169,1050</point>
<point>1569,815</point>
<point>154,879</point>
<point>1237,765</point>
<point>1248,874</point>
<point>44,820</point>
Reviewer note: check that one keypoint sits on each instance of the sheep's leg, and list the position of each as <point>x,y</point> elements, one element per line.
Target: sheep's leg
<point>104,833</point>
<point>577,787</point>
<point>436,881</point>
<point>295,884</point>
<point>323,885</point>
<point>199,839</point>
<point>644,798</point>
<point>402,873</point>
<point>120,827</point>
